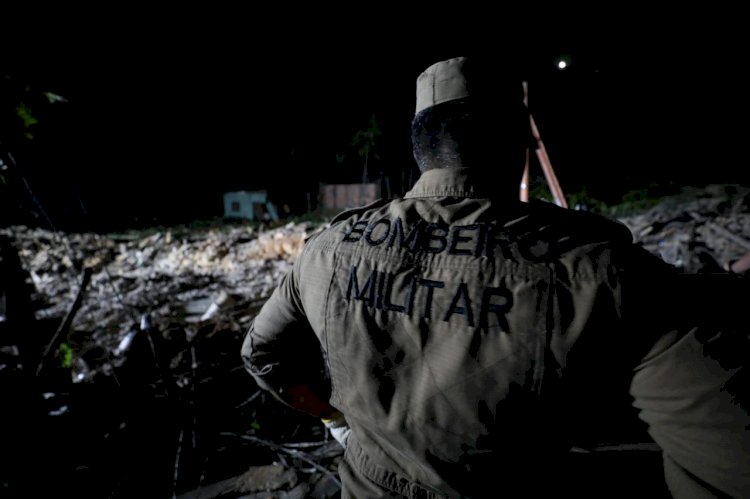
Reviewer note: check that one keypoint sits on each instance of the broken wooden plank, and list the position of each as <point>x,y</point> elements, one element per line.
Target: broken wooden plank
<point>729,235</point>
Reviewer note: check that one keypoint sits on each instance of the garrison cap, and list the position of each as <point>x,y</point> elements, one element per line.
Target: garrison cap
<point>460,77</point>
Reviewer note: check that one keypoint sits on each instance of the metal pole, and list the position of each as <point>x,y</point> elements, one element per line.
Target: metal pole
<point>544,161</point>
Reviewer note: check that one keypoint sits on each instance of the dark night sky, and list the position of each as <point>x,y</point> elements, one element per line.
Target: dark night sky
<point>164,115</point>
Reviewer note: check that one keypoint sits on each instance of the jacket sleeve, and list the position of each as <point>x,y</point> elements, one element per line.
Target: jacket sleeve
<point>283,354</point>
<point>692,386</point>
<point>693,395</point>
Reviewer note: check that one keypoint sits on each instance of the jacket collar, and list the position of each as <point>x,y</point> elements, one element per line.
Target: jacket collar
<point>447,182</point>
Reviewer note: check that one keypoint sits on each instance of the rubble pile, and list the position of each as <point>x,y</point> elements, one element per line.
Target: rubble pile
<point>698,230</point>
<point>170,277</point>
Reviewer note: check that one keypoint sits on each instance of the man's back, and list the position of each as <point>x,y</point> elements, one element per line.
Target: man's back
<point>459,331</point>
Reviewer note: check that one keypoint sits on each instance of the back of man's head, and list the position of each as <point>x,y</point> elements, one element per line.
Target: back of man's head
<point>469,113</point>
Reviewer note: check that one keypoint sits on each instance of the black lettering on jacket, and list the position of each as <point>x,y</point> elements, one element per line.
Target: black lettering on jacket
<point>437,233</point>
<point>462,293</point>
<point>479,239</point>
<point>373,227</point>
<point>404,240</point>
<point>497,301</point>
<point>368,291</point>
<point>355,234</point>
<point>381,292</point>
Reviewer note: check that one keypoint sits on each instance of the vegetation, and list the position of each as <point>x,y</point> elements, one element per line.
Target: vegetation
<point>65,356</point>
<point>631,202</point>
<point>364,142</point>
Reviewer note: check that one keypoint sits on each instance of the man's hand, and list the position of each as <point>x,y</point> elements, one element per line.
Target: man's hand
<point>339,428</point>
<point>303,397</point>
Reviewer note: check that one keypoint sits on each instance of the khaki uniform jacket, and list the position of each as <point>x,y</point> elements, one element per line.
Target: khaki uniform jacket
<point>471,341</point>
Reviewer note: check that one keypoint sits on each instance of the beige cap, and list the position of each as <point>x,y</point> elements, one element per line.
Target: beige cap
<point>497,88</point>
<point>441,82</point>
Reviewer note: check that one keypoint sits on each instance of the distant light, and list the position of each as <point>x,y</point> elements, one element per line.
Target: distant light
<point>563,62</point>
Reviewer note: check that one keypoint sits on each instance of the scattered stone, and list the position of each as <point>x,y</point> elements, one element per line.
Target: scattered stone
<point>327,487</point>
<point>266,478</point>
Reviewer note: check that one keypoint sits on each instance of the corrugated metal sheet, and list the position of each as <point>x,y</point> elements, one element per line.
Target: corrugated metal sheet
<point>343,196</point>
